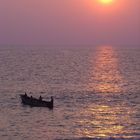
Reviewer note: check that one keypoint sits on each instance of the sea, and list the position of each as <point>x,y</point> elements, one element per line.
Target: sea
<point>96,92</point>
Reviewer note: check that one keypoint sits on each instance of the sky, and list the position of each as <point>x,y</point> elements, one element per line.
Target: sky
<point>70,22</point>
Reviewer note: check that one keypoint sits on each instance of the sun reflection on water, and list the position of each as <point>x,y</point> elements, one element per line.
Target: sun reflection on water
<point>105,75</point>
<point>108,117</point>
<point>105,121</point>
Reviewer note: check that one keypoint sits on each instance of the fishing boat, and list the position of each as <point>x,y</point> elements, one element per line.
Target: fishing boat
<point>34,102</point>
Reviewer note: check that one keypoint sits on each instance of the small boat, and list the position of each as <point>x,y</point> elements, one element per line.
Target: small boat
<point>34,102</point>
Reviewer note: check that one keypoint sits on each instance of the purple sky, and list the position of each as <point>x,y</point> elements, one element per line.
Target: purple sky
<point>69,22</point>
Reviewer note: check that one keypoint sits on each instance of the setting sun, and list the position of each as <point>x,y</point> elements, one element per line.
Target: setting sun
<point>106,1</point>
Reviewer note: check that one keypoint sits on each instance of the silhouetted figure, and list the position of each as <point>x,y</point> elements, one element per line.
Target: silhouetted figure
<point>25,94</point>
<point>51,106</point>
<point>52,99</point>
<point>40,98</point>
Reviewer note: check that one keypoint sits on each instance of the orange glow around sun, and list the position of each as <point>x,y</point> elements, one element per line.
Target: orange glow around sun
<point>106,1</point>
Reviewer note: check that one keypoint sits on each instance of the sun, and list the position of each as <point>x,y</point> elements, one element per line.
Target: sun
<point>106,1</point>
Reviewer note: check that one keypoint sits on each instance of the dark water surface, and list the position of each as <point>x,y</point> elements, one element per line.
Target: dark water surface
<point>96,92</point>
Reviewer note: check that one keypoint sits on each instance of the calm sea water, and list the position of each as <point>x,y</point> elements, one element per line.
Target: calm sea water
<point>96,93</point>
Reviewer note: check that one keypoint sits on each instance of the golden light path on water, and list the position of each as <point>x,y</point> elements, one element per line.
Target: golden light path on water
<point>105,119</point>
<point>105,122</point>
<point>105,73</point>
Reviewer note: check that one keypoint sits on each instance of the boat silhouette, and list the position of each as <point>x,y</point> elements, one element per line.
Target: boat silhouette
<point>34,102</point>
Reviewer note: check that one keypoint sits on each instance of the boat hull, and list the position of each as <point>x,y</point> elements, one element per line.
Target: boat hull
<point>33,102</point>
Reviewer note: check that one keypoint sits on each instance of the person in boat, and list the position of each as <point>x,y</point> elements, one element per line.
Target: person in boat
<point>25,94</point>
<point>40,98</point>
<point>31,97</point>
<point>52,99</point>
